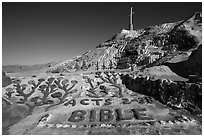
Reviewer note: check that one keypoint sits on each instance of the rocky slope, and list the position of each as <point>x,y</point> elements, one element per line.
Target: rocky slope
<point>144,47</point>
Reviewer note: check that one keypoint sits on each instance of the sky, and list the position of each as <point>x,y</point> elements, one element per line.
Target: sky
<point>42,32</point>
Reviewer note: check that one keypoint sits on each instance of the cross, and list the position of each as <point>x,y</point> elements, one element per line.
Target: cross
<point>131,25</point>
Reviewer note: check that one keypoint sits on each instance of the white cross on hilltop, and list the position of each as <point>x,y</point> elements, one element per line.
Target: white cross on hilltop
<point>131,18</point>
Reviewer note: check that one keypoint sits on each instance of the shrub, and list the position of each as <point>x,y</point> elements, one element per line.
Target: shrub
<point>183,39</point>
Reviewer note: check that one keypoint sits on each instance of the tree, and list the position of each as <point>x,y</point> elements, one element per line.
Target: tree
<point>123,63</point>
<point>77,67</point>
<point>103,65</point>
<point>84,66</point>
<point>133,60</point>
<point>183,39</point>
<point>89,65</point>
<point>133,56</point>
<point>110,64</point>
<point>97,66</point>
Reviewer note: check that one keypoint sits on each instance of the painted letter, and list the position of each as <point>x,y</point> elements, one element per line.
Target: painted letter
<point>108,102</point>
<point>139,114</point>
<point>92,115</point>
<point>106,115</point>
<point>97,101</point>
<point>120,115</point>
<point>73,102</point>
<point>83,102</point>
<point>77,116</point>
<point>125,101</point>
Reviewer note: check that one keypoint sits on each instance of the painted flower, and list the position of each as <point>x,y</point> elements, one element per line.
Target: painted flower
<point>73,91</point>
<point>62,74</point>
<point>17,81</point>
<point>56,95</point>
<point>9,89</point>
<point>59,78</point>
<point>112,72</point>
<point>106,72</point>
<point>50,79</point>
<point>84,77</point>
<point>34,99</point>
<point>65,81</point>
<point>41,79</point>
<point>31,82</point>
<point>74,82</point>
<point>24,85</point>
<point>98,73</point>
<point>42,87</point>
<point>102,87</point>
<point>49,102</point>
<point>53,86</point>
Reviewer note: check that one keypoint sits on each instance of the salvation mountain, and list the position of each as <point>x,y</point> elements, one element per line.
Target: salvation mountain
<point>166,44</point>
<point>98,93</point>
